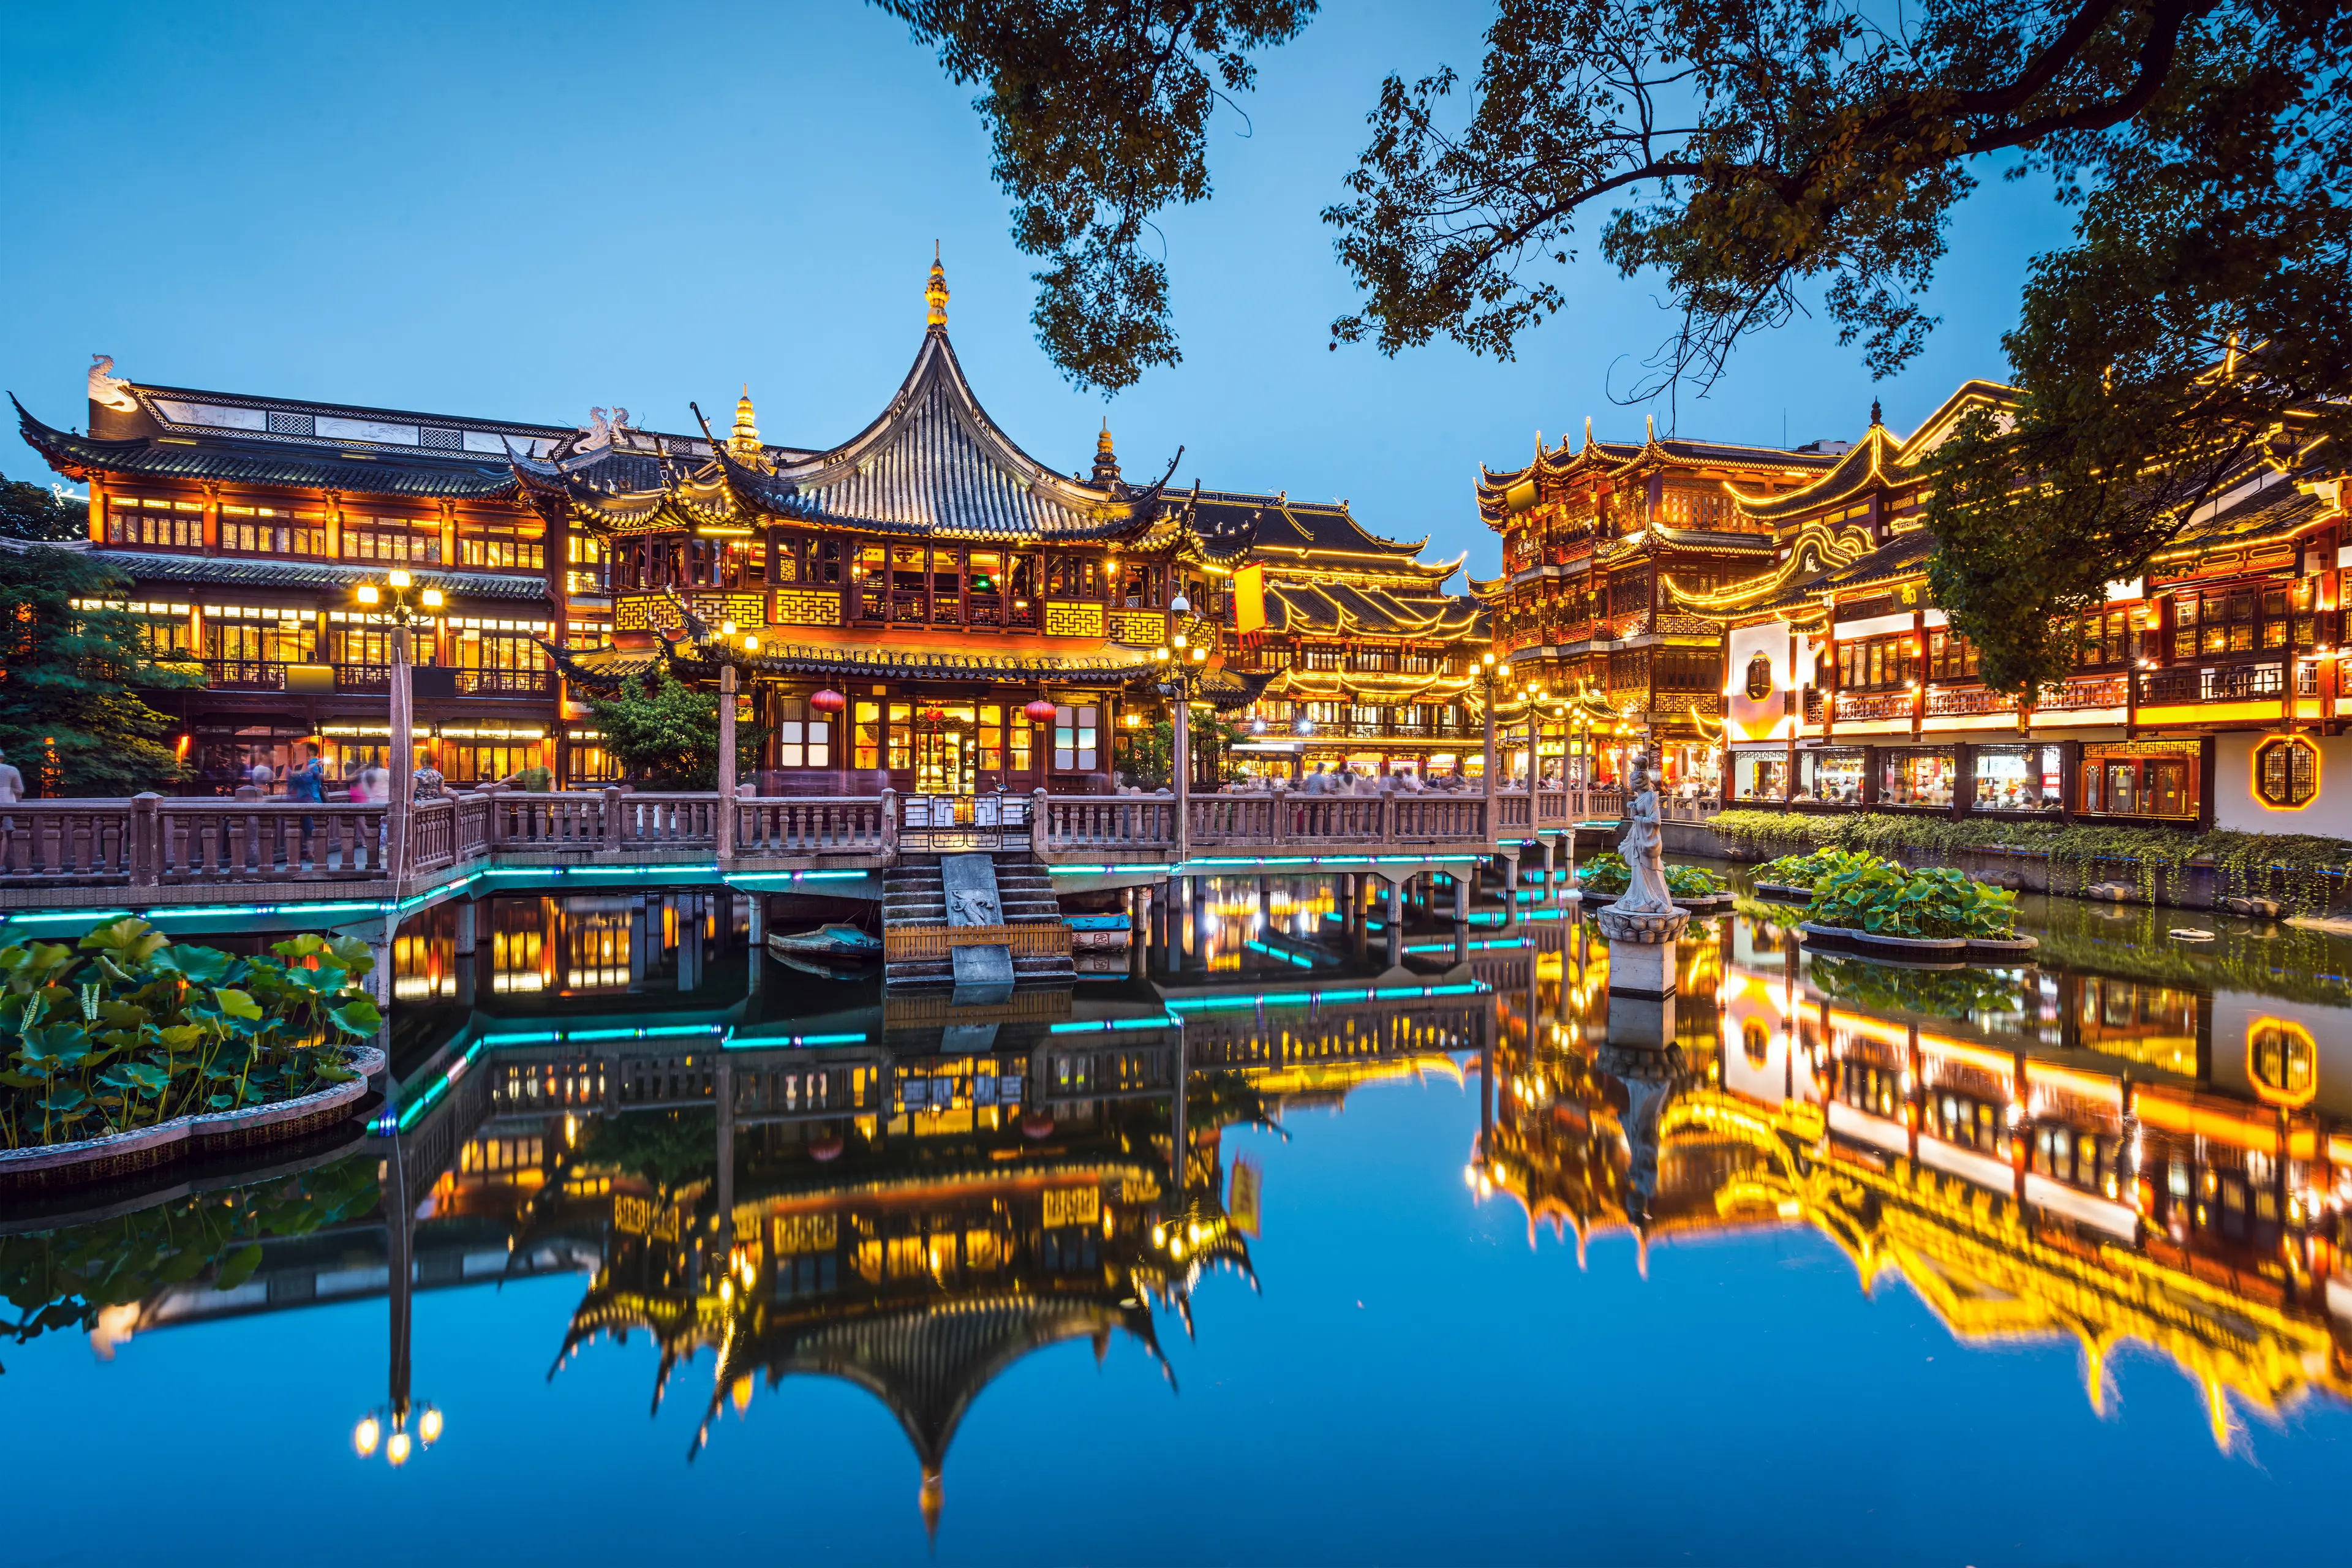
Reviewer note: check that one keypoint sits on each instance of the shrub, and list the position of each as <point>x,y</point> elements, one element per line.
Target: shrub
<point>1886,901</point>
<point>130,1031</point>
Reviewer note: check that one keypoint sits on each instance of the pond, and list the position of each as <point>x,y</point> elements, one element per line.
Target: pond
<point>668,1250</point>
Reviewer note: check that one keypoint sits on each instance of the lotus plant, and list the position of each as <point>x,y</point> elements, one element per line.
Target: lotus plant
<point>127,1030</point>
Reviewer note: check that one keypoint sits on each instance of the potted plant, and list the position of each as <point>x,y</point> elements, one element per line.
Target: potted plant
<point>1931,913</point>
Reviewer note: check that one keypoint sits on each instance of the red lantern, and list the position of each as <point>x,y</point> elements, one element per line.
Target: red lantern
<point>1041,711</point>
<point>828,703</point>
<point>935,714</point>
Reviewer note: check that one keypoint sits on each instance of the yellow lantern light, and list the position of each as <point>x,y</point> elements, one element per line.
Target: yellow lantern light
<point>397,577</point>
<point>367,594</point>
<point>432,598</point>
<point>429,1427</point>
<point>366,1435</point>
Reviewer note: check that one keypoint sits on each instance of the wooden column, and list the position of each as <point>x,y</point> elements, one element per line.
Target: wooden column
<point>724,823</point>
<point>400,787</point>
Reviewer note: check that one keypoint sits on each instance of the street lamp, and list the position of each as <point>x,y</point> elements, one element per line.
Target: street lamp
<point>398,599</point>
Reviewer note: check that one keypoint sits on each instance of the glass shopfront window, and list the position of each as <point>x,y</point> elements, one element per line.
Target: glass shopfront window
<point>1917,778</point>
<point>2017,778</point>
<point>2141,779</point>
<point>1759,775</point>
<point>1834,777</point>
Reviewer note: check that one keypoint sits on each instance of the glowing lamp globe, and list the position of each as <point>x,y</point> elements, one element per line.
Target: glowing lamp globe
<point>1040,711</point>
<point>828,702</point>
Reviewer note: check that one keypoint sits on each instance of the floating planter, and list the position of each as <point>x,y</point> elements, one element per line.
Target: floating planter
<point>1784,893</point>
<point>142,1149</point>
<point>2189,933</point>
<point>1918,949</point>
<point>2001,946</point>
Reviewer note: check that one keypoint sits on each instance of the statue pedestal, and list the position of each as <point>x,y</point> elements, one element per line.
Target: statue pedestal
<point>1640,951</point>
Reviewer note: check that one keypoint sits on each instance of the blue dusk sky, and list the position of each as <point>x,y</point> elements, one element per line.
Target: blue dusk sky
<point>523,211</point>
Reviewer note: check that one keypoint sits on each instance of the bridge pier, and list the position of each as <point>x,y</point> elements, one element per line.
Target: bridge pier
<point>1510,889</point>
<point>1551,887</point>
<point>1139,931</point>
<point>1461,901</point>
<point>1396,922</point>
<point>467,961</point>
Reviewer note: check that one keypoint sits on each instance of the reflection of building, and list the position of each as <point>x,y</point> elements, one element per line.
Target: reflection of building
<point>2059,1153</point>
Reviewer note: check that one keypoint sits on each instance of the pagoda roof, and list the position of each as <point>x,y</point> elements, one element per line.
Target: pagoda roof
<point>1617,460</point>
<point>240,457</point>
<point>260,572</point>
<point>824,652</point>
<point>1317,534</point>
<point>1343,609</point>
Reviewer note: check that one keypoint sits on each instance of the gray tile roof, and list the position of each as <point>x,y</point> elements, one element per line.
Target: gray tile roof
<point>242,572</point>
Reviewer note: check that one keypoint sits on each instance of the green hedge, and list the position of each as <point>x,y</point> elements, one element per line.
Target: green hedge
<point>2304,870</point>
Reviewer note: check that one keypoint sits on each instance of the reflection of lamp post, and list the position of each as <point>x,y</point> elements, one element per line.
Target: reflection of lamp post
<point>399,600</point>
<point>386,1427</point>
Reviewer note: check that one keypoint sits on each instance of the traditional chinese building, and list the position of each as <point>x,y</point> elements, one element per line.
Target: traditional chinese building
<point>2205,692</point>
<point>924,603</point>
<point>1357,654</point>
<point>1589,535</point>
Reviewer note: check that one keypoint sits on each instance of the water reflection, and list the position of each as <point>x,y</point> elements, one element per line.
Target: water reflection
<point>2036,1151</point>
<point>778,1177</point>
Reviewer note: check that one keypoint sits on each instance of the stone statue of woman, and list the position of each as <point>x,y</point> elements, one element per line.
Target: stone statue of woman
<point>1645,850</point>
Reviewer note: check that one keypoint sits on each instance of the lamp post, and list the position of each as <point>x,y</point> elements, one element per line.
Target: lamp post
<point>399,600</point>
<point>1182,661</point>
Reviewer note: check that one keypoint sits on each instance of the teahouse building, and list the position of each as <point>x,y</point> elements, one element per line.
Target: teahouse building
<point>924,603</point>
<point>1590,533</point>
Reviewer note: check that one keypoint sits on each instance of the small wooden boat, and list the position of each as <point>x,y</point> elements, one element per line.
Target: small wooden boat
<point>828,944</point>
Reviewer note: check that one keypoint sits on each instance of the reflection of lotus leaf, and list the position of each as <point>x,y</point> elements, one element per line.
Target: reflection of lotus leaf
<point>1944,994</point>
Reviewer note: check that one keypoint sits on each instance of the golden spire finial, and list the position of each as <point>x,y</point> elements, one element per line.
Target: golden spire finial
<point>935,294</point>
<point>747,428</point>
<point>1102,442</point>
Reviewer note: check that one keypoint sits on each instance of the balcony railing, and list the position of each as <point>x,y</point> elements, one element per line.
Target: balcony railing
<point>1861,705</point>
<point>2226,683</point>
<point>502,682</point>
<point>270,675</point>
<point>1951,701</point>
<point>2083,694</point>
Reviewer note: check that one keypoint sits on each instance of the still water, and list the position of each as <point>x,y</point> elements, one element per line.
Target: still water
<point>681,1253</point>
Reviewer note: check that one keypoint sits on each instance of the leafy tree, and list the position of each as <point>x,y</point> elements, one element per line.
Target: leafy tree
<point>30,511</point>
<point>1757,157</point>
<point>71,717</point>
<point>664,734</point>
<point>1098,117</point>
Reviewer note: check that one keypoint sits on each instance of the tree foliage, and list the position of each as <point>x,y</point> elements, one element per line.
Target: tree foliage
<point>664,734</point>
<point>1098,117</point>
<point>1763,158</point>
<point>30,511</point>
<point>71,717</point>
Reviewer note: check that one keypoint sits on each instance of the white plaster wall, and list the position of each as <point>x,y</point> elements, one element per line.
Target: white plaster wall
<point>1762,719</point>
<point>2237,806</point>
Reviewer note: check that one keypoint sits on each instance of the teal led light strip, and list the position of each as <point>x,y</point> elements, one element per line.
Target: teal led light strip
<point>1278,952</point>
<point>1310,998</point>
<point>1109,1025</point>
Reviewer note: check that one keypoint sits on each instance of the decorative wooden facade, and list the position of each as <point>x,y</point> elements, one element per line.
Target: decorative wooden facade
<point>927,572</point>
<point>1590,533</point>
<point>2208,690</point>
<point>1354,654</point>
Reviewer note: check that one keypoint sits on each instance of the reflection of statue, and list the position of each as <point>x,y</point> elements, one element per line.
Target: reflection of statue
<point>106,389</point>
<point>1645,851</point>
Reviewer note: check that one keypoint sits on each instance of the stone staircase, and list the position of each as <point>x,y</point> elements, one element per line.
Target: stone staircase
<point>912,893</point>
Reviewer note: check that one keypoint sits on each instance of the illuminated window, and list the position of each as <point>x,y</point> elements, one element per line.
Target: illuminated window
<point>1756,1041</point>
<point>2286,772</point>
<point>803,736</point>
<point>1760,677</point>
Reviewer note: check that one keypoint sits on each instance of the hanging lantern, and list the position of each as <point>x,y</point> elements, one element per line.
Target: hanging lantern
<point>828,702</point>
<point>935,714</point>
<point>1041,711</point>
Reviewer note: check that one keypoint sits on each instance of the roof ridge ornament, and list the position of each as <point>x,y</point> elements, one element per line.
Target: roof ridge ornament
<point>106,390</point>
<point>745,442</point>
<point>935,292</point>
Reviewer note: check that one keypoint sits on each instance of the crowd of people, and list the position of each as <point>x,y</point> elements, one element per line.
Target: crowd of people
<point>308,780</point>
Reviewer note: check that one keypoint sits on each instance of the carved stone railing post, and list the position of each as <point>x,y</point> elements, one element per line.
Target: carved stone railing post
<point>612,823</point>
<point>1041,836</point>
<point>890,823</point>
<point>140,848</point>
